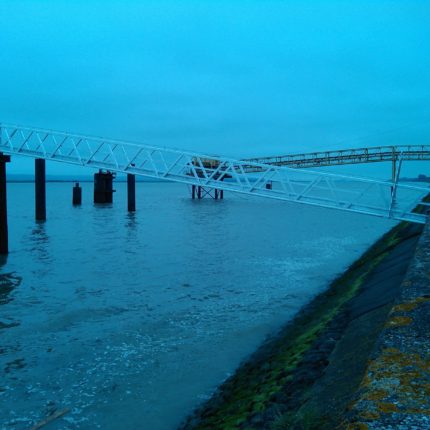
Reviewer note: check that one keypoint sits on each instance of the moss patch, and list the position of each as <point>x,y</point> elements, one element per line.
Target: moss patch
<point>269,373</point>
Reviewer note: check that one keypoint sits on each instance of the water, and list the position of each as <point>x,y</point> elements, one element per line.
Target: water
<point>131,320</point>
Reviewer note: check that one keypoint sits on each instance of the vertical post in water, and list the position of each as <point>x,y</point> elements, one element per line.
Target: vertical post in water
<point>393,165</point>
<point>216,193</point>
<point>193,192</point>
<point>4,242</point>
<point>199,192</point>
<point>131,192</point>
<point>77,195</point>
<point>40,188</point>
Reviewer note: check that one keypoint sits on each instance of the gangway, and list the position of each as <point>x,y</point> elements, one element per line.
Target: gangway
<point>252,177</point>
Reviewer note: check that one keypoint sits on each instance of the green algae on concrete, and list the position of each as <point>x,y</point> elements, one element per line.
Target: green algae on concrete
<point>271,377</point>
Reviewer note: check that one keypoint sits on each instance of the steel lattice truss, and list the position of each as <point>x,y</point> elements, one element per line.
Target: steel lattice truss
<point>346,156</point>
<point>345,193</point>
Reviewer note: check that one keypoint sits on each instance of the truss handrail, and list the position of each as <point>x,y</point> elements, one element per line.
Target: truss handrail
<point>321,189</point>
<point>346,156</point>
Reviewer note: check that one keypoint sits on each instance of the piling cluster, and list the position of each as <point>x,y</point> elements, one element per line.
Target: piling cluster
<point>103,193</point>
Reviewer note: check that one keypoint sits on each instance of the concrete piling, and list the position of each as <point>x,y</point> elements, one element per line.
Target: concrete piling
<point>77,195</point>
<point>4,242</point>
<point>103,187</point>
<point>131,192</point>
<point>40,188</point>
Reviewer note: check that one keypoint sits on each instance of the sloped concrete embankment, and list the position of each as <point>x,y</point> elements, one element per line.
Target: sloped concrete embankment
<point>305,377</point>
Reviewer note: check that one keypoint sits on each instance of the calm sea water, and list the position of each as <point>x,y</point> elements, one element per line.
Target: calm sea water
<point>132,320</point>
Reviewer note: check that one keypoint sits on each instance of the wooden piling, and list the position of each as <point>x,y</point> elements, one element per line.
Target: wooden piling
<point>40,188</point>
<point>131,192</point>
<point>4,241</point>
<point>77,195</point>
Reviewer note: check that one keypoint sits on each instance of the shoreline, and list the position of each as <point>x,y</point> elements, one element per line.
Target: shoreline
<point>305,376</point>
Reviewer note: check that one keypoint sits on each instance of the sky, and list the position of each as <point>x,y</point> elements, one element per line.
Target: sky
<point>237,78</point>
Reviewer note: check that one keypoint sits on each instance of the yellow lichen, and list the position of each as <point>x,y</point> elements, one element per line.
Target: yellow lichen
<point>399,321</point>
<point>404,307</point>
<point>369,415</point>
<point>375,395</point>
<point>387,407</point>
<point>410,306</point>
<point>357,426</point>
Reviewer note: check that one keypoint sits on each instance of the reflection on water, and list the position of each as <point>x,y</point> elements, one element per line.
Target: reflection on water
<point>132,319</point>
<point>38,240</point>
<point>8,282</point>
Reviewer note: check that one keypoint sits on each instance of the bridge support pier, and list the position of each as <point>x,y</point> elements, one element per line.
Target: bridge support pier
<point>77,195</point>
<point>103,189</point>
<point>131,192</point>
<point>40,188</point>
<point>4,242</point>
<point>200,192</point>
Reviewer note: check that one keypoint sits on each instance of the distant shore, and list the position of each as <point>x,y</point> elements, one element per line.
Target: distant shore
<point>304,377</point>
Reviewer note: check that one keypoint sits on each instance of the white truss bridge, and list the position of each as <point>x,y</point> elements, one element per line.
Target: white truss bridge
<point>387,199</point>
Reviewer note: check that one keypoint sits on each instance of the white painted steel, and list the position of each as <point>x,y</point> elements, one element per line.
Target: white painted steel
<point>365,196</point>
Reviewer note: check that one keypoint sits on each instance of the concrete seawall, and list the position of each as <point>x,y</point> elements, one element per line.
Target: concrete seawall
<point>395,391</point>
<point>315,373</point>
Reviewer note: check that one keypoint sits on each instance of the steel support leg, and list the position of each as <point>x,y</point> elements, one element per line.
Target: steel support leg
<point>40,189</point>
<point>4,242</point>
<point>131,192</point>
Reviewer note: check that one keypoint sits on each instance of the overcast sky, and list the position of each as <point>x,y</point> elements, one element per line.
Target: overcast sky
<point>239,78</point>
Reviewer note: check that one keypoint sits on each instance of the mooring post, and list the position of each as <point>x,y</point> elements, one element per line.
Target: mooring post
<point>40,188</point>
<point>4,242</point>
<point>216,193</point>
<point>221,194</point>
<point>77,194</point>
<point>193,192</point>
<point>131,192</point>
<point>199,192</point>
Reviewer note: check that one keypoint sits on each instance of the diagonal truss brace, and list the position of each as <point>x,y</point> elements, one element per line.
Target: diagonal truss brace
<point>365,196</point>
